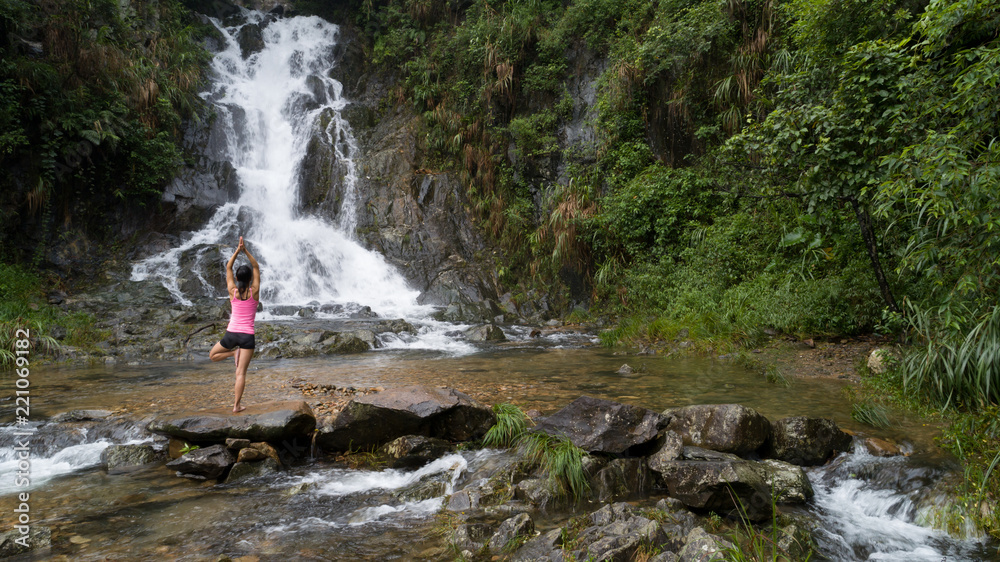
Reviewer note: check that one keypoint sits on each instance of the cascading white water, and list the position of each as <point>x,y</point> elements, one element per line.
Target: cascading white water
<point>303,259</point>
<point>872,508</point>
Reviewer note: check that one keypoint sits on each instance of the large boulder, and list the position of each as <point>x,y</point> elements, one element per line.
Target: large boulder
<point>206,463</point>
<point>603,426</point>
<point>807,441</point>
<point>729,428</point>
<point>374,419</point>
<point>720,482</point>
<point>271,421</point>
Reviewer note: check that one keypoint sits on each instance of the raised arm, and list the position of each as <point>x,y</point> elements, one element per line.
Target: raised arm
<point>230,281</point>
<point>256,271</point>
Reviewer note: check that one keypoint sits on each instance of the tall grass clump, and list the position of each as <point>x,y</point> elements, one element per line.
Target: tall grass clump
<point>558,457</point>
<point>561,460</point>
<point>509,427</point>
<point>954,366</point>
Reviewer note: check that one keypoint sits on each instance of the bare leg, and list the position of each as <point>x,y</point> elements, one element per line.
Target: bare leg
<point>219,353</point>
<point>241,374</point>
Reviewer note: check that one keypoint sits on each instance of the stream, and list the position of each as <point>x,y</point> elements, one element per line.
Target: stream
<point>866,508</point>
<point>269,104</point>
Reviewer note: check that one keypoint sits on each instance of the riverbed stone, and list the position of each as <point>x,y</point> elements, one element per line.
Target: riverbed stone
<point>543,548</point>
<point>701,546</point>
<point>250,455</point>
<point>471,536</point>
<point>788,482</point>
<point>730,428</point>
<point>807,441</point>
<point>719,482</point>
<point>119,457</point>
<point>616,532</point>
<point>519,527</point>
<point>882,448</point>
<point>671,449</point>
<point>604,426</point>
<point>235,444</point>
<point>250,39</point>
<point>39,539</point>
<point>209,462</point>
<point>485,333</point>
<point>377,418</point>
<point>412,451</point>
<point>271,421</point>
<point>355,341</point>
<point>268,451</point>
<point>247,470</point>
<point>81,415</point>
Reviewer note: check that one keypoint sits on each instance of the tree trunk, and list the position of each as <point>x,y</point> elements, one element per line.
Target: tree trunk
<point>864,221</point>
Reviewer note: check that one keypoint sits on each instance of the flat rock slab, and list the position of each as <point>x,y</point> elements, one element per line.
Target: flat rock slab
<point>375,419</point>
<point>271,421</point>
<point>603,426</point>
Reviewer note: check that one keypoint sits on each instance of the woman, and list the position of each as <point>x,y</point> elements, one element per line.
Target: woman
<point>238,342</point>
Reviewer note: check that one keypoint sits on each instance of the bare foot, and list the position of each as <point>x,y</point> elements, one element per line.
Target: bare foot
<point>238,409</point>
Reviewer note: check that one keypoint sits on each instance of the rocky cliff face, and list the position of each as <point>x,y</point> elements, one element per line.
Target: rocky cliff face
<point>419,221</point>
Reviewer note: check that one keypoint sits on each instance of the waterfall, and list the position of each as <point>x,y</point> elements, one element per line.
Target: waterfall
<point>269,105</point>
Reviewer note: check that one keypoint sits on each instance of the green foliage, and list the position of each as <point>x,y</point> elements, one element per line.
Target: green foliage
<point>561,460</point>
<point>870,414</point>
<point>509,427</point>
<point>187,448</point>
<point>92,94</point>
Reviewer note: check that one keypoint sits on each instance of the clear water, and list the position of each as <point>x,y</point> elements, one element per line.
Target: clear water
<point>866,508</point>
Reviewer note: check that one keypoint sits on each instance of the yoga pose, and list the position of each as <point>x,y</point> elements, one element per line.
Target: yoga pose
<point>238,342</point>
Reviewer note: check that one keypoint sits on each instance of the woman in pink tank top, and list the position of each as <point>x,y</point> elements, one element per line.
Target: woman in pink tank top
<point>238,342</point>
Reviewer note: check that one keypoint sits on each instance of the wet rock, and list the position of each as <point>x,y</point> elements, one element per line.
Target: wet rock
<point>412,451</point>
<point>616,533</point>
<point>625,370</point>
<point>80,415</point>
<point>117,457</point>
<point>207,463</point>
<point>250,39</point>
<point>622,479</point>
<point>250,455</point>
<point>700,546</point>
<point>719,482</point>
<point>36,537</point>
<point>671,449</point>
<point>536,491</point>
<point>602,426</point>
<point>788,482</point>
<point>463,500</point>
<point>357,341</point>
<point>882,448</point>
<point>267,450</point>
<point>246,470</point>
<point>519,527</point>
<point>807,441</point>
<point>730,428</point>
<point>485,333</point>
<point>544,547</point>
<point>271,421</point>
<point>471,536</point>
<point>235,444</point>
<point>369,421</point>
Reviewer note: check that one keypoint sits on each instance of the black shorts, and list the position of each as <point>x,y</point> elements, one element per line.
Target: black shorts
<point>236,339</point>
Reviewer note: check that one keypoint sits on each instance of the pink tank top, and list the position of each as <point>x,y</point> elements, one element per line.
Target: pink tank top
<point>244,312</point>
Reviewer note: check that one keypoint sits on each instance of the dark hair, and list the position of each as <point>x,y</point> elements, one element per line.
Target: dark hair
<point>243,276</point>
